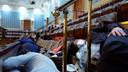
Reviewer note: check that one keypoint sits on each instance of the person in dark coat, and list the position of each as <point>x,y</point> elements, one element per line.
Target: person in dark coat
<point>114,48</point>
<point>105,29</point>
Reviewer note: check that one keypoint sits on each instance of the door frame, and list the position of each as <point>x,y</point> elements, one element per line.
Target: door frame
<point>31,24</point>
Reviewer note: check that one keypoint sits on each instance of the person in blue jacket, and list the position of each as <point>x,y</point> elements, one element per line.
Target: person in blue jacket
<point>29,44</point>
<point>30,58</point>
<point>32,62</point>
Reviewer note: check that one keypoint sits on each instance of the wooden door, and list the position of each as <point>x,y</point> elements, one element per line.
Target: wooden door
<point>27,25</point>
<point>78,8</point>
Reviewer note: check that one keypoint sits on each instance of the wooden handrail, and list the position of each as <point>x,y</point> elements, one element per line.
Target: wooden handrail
<point>123,7</point>
<point>105,12</point>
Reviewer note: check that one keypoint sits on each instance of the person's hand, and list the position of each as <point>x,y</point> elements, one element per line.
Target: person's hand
<point>117,31</point>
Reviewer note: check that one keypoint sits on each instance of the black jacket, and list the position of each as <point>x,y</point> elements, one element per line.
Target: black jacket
<point>100,32</point>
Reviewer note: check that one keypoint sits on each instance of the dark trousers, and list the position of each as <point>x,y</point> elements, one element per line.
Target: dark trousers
<point>114,55</point>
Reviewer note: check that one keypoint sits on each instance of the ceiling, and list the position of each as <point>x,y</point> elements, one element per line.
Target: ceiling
<point>25,3</point>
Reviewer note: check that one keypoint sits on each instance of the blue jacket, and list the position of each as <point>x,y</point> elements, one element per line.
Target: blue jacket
<point>27,44</point>
<point>25,40</point>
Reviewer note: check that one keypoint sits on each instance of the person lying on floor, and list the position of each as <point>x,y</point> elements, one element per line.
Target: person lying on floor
<point>107,38</point>
<point>32,61</point>
<point>114,47</point>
